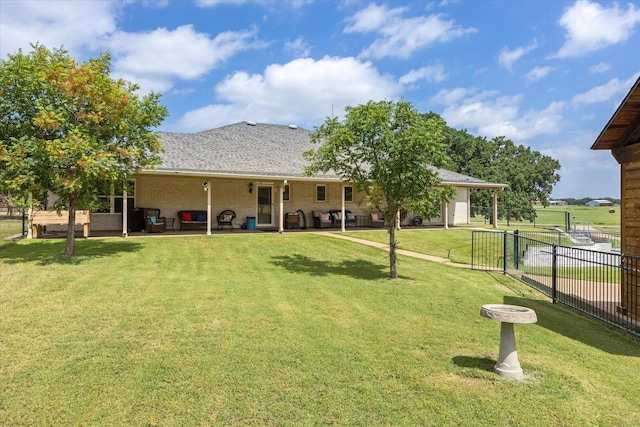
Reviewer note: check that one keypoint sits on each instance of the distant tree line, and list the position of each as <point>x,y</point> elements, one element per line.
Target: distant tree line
<point>529,174</point>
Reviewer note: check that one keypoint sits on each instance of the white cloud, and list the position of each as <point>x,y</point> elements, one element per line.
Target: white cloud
<point>303,91</point>
<point>401,37</point>
<point>290,3</point>
<point>430,73</point>
<point>156,59</point>
<point>585,172</point>
<point>590,26</point>
<point>298,47</point>
<point>537,73</point>
<point>488,114</point>
<point>599,68</point>
<point>508,57</point>
<point>613,89</point>
<point>55,23</point>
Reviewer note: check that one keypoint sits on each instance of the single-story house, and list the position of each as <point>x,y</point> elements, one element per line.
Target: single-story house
<point>599,202</point>
<point>621,135</point>
<point>256,170</point>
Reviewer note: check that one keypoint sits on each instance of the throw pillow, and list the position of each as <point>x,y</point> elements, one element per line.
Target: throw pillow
<point>186,216</point>
<point>152,219</point>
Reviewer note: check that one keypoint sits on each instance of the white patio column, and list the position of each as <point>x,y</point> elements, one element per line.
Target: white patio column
<point>208,190</point>
<point>281,213</point>
<point>342,213</point>
<point>468,206</point>
<point>494,214</point>
<point>446,215</point>
<point>125,210</point>
<point>30,217</point>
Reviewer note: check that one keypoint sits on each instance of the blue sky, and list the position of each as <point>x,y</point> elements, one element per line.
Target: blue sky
<point>547,74</point>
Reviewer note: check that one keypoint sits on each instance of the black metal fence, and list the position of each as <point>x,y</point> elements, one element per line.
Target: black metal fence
<point>595,279</point>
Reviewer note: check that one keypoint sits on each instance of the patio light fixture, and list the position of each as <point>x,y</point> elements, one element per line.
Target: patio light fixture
<point>205,185</point>
<point>251,187</point>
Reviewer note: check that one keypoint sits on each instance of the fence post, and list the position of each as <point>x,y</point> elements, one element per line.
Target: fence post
<point>504,253</point>
<point>473,248</point>
<point>516,252</point>
<point>554,274</point>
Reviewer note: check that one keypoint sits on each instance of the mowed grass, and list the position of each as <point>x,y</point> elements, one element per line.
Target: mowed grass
<point>454,243</point>
<point>598,217</point>
<point>9,227</point>
<point>294,329</point>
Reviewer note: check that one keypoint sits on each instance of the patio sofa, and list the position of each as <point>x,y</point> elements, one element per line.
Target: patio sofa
<point>192,218</point>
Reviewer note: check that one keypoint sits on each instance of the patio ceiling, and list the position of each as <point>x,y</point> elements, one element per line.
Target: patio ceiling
<point>621,134</point>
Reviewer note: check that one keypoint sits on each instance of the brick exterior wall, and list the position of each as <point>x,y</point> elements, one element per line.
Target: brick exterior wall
<point>171,194</point>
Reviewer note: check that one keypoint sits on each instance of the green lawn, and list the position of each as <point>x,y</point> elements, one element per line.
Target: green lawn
<point>294,329</point>
<point>9,227</point>
<point>453,243</point>
<point>554,216</point>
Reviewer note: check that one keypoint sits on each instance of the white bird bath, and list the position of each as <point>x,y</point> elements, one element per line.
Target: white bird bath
<point>508,365</point>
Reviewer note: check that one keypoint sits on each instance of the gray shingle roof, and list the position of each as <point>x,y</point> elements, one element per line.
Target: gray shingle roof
<point>253,150</point>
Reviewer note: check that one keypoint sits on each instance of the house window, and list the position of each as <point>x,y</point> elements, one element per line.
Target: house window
<point>110,196</point>
<point>348,194</point>
<point>286,196</point>
<point>321,193</point>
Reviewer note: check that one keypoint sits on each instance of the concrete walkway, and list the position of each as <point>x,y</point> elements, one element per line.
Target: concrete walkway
<point>385,247</point>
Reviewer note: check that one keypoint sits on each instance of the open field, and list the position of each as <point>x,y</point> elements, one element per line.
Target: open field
<point>294,329</point>
<point>554,216</point>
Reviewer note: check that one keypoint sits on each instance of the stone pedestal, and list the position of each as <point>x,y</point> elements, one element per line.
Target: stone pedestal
<point>508,365</point>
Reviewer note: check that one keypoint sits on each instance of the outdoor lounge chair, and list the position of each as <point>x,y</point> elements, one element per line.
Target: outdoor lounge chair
<point>376,221</point>
<point>321,220</point>
<point>226,217</point>
<point>336,216</point>
<point>154,223</point>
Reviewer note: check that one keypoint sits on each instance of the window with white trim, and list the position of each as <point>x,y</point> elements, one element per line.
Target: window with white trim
<point>348,194</point>
<point>321,193</point>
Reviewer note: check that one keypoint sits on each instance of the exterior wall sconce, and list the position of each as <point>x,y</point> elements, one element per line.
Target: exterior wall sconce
<point>205,185</point>
<point>251,187</point>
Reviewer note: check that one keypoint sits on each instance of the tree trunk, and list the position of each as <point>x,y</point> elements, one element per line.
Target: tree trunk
<point>70,247</point>
<point>393,263</point>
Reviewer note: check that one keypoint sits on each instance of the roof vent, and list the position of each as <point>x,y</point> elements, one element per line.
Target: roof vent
<point>251,123</point>
<point>293,127</point>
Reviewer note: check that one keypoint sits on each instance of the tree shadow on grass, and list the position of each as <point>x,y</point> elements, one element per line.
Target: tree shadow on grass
<point>357,268</point>
<point>578,327</point>
<point>45,253</point>
<point>479,363</point>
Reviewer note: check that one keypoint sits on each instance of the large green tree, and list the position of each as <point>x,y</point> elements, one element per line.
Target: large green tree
<point>67,127</point>
<point>530,174</point>
<point>388,151</point>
